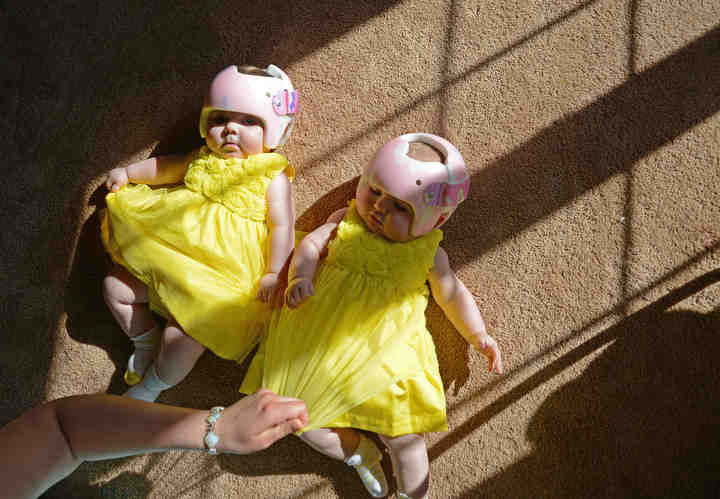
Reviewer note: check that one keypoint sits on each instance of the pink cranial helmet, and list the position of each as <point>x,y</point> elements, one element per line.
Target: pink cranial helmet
<point>272,99</point>
<point>433,189</point>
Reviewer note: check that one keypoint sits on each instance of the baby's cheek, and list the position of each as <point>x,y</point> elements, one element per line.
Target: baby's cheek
<point>401,227</point>
<point>362,203</point>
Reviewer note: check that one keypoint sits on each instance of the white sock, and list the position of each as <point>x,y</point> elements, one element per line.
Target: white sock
<point>367,461</point>
<point>145,349</point>
<point>150,388</point>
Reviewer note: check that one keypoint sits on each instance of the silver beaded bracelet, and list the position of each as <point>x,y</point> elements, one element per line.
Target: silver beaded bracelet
<point>211,438</point>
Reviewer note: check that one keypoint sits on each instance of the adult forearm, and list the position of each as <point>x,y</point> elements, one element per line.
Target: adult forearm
<point>35,453</point>
<point>47,443</point>
<point>103,427</point>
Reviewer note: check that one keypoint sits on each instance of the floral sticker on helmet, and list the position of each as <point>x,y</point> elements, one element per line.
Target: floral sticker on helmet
<point>285,102</point>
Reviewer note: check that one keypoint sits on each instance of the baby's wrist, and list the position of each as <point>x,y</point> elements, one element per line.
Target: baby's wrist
<point>299,283</point>
<point>480,337</point>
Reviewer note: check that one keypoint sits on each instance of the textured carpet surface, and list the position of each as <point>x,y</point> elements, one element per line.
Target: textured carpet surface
<point>591,239</point>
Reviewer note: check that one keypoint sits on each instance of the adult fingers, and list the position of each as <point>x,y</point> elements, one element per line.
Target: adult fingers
<point>278,411</point>
<point>271,397</point>
<point>275,433</point>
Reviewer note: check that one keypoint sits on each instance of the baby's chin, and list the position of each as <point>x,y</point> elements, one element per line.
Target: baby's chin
<point>238,155</point>
<point>375,228</point>
<point>229,152</point>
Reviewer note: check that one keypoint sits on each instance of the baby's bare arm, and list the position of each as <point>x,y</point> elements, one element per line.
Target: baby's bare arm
<point>460,307</point>
<point>281,221</point>
<point>152,171</point>
<point>304,262</point>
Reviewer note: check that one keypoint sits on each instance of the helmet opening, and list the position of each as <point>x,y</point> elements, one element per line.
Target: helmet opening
<point>422,151</point>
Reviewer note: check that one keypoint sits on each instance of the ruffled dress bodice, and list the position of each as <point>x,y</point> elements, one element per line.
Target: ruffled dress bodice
<point>392,267</point>
<point>238,184</point>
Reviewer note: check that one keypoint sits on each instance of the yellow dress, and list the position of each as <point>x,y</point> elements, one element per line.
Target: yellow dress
<point>358,352</point>
<point>201,247</point>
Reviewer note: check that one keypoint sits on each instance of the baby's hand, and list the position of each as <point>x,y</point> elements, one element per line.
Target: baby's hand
<point>489,348</point>
<point>116,179</point>
<point>268,287</point>
<point>299,290</point>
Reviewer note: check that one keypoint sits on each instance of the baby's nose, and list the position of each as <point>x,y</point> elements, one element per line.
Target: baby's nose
<point>381,202</point>
<point>232,126</point>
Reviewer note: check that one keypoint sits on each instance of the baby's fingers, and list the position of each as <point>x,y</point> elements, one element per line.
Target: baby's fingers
<point>298,293</point>
<point>495,359</point>
<point>306,291</point>
<point>294,297</point>
<point>496,363</point>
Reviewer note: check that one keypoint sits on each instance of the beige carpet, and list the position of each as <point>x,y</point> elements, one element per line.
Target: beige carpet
<point>591,239</point>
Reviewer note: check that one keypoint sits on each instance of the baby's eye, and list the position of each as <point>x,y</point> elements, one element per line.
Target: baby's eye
<point>217,119</point>
<point>400,207</point>
<point>250,121</point>
<point>375,191</point>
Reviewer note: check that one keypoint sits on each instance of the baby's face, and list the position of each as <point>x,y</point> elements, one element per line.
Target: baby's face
<point>382,213</point>
<point>234,135</point>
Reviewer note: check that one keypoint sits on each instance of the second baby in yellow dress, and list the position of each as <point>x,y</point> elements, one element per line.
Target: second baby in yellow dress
<point>205,254</point>
<point>352,342</point>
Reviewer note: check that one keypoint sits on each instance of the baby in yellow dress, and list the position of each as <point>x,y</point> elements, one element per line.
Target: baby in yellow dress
<point>352,341</point>
<point>206,253</point>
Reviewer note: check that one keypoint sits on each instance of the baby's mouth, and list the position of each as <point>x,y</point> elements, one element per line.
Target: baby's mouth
<point>231,145</point>
<point>376,221</point>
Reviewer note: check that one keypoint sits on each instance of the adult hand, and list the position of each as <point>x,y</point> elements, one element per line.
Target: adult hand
<point>258,420</point>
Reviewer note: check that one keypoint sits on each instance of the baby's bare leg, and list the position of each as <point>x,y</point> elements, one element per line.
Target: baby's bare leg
<point>356,450</point>
<point>178,354</point>
<point>410,464</point>
<point>337,443</point>
<point>127,298</point>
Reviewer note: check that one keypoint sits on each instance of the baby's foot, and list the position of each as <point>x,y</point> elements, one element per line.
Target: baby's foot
<point>150,388</point>
<point>367,461</point>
